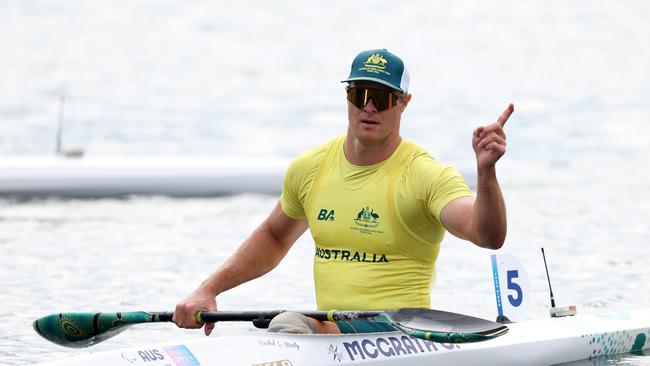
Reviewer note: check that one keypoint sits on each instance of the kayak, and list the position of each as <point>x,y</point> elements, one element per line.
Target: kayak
<point>536,342</point>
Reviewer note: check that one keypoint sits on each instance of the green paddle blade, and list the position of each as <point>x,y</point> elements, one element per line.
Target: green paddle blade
<point>79,330</point>
<point>442,326</point>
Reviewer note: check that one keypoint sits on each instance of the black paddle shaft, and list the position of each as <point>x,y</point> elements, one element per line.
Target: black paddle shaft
<point>261,319</point>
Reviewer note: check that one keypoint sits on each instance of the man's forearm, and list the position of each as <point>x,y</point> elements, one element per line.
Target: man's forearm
<point>489,215</point>
<point>257,255</point>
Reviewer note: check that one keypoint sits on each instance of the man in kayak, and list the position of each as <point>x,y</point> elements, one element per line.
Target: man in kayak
<point>377,207</point>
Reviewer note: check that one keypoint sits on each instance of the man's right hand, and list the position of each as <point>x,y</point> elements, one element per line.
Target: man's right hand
<point>185,313</point>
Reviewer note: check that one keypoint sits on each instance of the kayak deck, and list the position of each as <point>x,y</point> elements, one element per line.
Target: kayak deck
<point>546,341</point>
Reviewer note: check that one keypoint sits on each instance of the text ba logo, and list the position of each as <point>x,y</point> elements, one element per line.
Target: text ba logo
<point>325,215</point>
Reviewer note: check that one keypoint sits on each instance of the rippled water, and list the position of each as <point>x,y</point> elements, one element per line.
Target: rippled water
<point>261,79</point>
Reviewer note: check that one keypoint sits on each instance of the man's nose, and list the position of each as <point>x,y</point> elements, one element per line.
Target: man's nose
<point>370,106</point>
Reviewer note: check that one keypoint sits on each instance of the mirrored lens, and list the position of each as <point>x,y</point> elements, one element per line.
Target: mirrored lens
<point>381,99</point>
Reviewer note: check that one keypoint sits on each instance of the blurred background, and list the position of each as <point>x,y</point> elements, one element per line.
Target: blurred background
<point>261,79</point>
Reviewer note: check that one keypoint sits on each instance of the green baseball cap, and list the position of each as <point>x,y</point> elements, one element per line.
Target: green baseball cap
<point>381,67</point>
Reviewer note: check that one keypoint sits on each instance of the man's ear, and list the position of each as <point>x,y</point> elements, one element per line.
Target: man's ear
<point>405,101</point>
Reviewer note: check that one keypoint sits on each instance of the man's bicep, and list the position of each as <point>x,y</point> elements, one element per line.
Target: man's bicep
<point>285,229</point>
<point>456,217</point>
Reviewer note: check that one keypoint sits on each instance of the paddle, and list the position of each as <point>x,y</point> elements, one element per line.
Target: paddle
<point>79,330</point>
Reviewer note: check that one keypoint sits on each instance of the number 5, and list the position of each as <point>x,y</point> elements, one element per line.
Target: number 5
<point>515,301</point>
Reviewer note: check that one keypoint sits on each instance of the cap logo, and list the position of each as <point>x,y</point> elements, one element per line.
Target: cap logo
<point>376,59</point>
<point>375,64</point>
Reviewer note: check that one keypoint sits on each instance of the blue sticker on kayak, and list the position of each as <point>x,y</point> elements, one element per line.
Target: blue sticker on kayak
<point>181,356</point>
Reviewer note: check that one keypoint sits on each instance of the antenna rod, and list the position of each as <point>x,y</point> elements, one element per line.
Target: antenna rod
<point>59,132</point>
<point>549,279</point>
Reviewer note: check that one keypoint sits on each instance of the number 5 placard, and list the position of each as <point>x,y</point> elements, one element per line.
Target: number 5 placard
<point>510,287</point>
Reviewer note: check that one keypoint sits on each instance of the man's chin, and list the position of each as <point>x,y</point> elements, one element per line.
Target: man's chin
<point>369,137</point>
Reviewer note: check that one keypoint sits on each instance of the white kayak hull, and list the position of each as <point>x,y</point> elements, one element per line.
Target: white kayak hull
<point>541,342</point>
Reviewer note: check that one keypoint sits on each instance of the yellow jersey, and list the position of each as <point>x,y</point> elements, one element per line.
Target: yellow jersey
<point>376,228</point>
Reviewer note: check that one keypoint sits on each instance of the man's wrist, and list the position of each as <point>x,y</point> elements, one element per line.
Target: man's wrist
<point>486,172</point>
<point>210,287</point>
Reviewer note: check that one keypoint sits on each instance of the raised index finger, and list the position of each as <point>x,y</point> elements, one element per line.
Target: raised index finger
<point>506,114</point>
